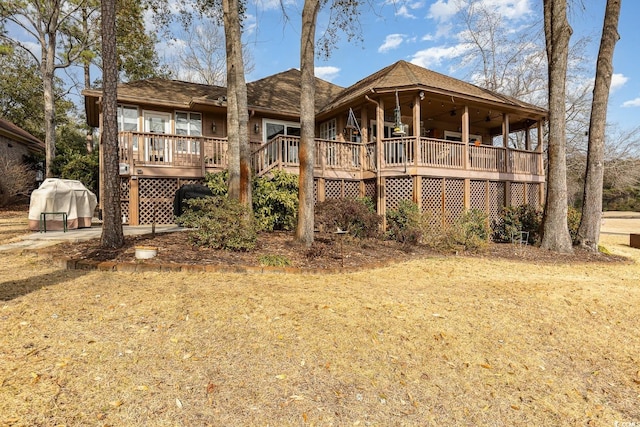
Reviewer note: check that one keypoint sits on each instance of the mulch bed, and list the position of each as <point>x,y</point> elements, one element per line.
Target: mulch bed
<point>329,251</point>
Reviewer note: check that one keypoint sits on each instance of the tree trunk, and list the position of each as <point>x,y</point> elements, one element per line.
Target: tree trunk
<point>112,234</point>
<point>304,229</point>
<point>231,20</point>
<point>589,230</point>
<point>555,231</point>
<point>48,67</point>
<point>86,65</point>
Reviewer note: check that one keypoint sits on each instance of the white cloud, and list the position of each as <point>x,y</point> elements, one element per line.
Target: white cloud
<point>403,11</point>
<point>434,56</point>
<point>444,10</point>
<point>617,81</point>
<point>632,103</point>
<point>392,41</point>
<point>327,73</point>
<point>509,9</point>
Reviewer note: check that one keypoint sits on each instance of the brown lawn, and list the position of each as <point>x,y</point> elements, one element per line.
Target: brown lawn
<point>439,340</point>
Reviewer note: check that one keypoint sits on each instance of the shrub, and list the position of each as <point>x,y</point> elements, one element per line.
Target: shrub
<point>354,216</point>
<point>219,223</point>
<point>406,224</point>
<point>17,180</point>
<point>218,183</point>
<point>83,168</point>
<point>573,222</point>
<point>274,261</point>
<point>513,219</point>
<point>275,201</point>
<point>274,198</point>
<point>470,232</point>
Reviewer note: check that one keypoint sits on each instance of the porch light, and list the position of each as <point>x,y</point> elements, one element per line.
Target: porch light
<point>256,128</point>
<point>213,126</point>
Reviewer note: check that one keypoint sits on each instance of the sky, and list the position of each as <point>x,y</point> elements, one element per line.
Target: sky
<point>427,33</point>
<point>424,32</point>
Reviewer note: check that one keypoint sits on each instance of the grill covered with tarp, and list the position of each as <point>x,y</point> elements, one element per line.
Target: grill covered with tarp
<point>187,192</point>
<point>56,196</point>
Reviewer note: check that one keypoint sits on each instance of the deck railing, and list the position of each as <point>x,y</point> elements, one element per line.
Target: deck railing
<point>282,152</point>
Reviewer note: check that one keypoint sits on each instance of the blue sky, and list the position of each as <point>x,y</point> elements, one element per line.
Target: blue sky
<point>426,32</point>
<point>422,32</point>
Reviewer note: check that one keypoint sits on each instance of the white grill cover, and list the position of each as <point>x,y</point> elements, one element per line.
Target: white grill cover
<point>62,195</point>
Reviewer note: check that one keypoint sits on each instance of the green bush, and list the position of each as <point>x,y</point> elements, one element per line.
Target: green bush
<point>406,224</point>
<point>275,201</point>
<point>218,183</point>
<point>513,219</point>
<point>274,198</point>
<point>274,261</point>
<point>219,223</point>
<point>354,216</point>
<point>573,222</point>
<point>470,232</point>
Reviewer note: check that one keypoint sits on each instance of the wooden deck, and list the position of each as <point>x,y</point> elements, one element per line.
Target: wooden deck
<point>163,155</point>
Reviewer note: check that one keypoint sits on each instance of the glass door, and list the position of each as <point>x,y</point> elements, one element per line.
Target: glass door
<point>157,148</point>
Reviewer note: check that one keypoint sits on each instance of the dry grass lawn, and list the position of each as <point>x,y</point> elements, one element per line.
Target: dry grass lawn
<point>441,341</point>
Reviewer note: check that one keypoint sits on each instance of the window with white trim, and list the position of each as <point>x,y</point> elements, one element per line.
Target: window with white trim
<point>274,128</point>
<point>188,123</point>
<point>128,121</point>
<point>328,130</point>
<point>127,118</point>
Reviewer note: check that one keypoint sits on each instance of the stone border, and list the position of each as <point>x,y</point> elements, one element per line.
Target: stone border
<point>141,266</point>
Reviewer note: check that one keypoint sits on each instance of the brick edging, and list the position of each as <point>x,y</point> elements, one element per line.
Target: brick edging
<point>142,266</point>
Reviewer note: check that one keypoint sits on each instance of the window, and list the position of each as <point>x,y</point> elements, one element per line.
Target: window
<point>328,130</point>
<point>128,121</point>
<point>457,136</point>
<point>127,118</point>
<point>275,128</point>
<point>188,124</point>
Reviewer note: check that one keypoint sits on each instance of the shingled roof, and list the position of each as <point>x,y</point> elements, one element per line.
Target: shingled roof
<point>20,135</point>
<point>281,92</point>
<point>403,74</point>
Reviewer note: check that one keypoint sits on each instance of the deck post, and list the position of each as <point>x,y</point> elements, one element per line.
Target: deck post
<point>321,190</point>
<point>467,194</point>
<point>134,201</point>
<point>417,191</point>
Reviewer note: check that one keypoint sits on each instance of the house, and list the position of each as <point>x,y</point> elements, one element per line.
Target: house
<point>404,132</point>
<point>16,147</point>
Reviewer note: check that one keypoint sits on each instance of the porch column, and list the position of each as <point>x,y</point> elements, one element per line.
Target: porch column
<point>465,137</point>
<point>505,140</point>
<point>539,148</point>
<point>417,131</point>
<point>505,130</point>
<point>364,138</point>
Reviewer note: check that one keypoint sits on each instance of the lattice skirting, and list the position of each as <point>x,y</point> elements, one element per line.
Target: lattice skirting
<point>442,198</point>
<point>156,197</point>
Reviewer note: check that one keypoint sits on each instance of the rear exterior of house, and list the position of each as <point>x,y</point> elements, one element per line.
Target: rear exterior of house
<point>403,133</point>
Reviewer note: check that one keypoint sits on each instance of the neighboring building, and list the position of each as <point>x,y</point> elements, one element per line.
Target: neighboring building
<point>16,146</point>
<point>404,132</point>
<point>17,143</point>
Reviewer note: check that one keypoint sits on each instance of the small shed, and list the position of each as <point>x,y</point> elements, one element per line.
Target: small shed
<point>57,196</point>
